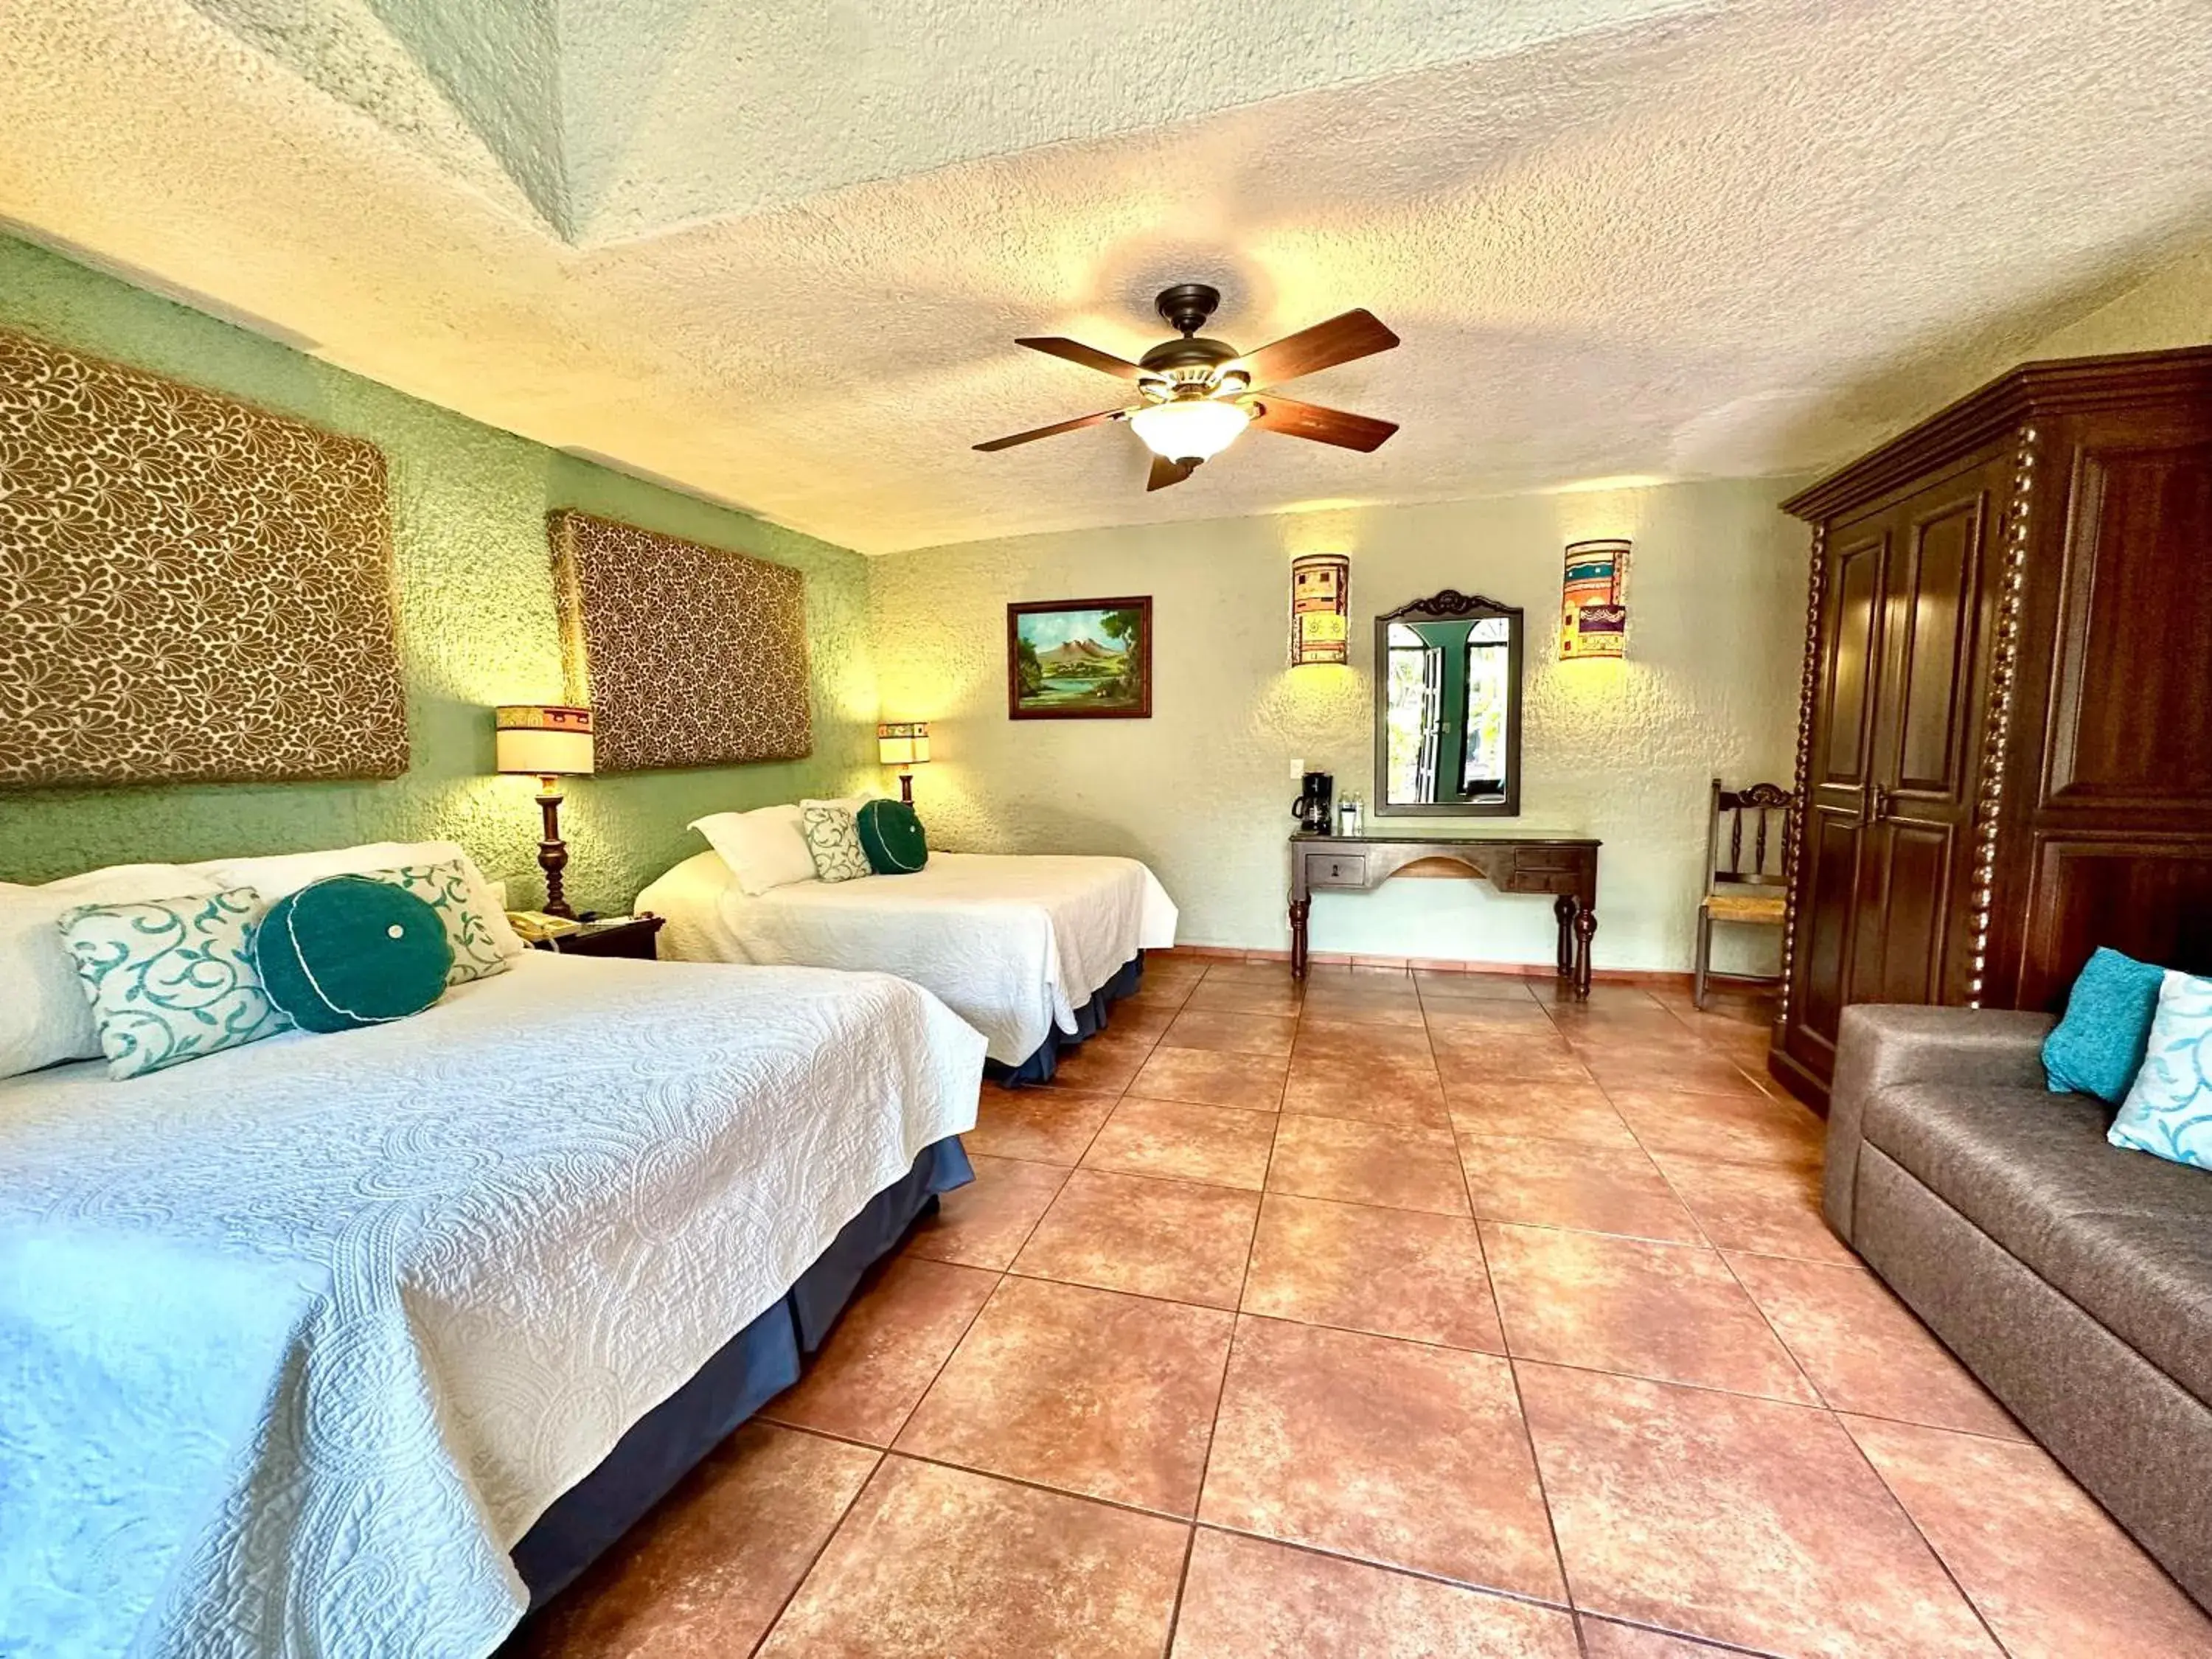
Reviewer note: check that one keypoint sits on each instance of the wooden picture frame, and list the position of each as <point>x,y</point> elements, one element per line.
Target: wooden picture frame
<point>1082,634</point>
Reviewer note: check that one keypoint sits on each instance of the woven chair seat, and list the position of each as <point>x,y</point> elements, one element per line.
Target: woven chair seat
<point>1746,906</point>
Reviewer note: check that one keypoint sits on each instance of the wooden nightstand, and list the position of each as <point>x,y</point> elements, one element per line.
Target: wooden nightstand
<point>636,937</point>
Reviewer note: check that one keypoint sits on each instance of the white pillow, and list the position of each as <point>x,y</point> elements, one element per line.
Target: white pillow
<point>287,873</point>
<point>765,848</point>
<point>46,1015</point>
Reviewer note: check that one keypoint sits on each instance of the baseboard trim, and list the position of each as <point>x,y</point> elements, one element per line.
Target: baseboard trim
<point>1673,978</point>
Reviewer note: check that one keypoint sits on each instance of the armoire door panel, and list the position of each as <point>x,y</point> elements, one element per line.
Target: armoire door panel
<point>1830,897</point>
<point>1855,636</point>
<point>1907,947</point>
<point>1933,596</point>
<point>2150,898</point>
<point>2131,705</point>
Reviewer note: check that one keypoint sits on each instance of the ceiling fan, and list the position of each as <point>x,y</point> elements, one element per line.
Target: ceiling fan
<point>1199,394</point>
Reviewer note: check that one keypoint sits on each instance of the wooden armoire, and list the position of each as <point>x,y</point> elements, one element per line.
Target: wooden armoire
<point>2004,747</point>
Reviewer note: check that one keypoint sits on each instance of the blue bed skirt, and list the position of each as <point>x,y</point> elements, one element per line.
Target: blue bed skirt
<point>1089,1019</point>
<point>752,1368</point>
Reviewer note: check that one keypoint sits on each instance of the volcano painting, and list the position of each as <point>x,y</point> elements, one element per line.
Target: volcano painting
<point>1079,659</point>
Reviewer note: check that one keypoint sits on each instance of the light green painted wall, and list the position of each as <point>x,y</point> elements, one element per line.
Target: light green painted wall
<point>476,627</point>
<point>2172,308</point>
<point>1202,791</point>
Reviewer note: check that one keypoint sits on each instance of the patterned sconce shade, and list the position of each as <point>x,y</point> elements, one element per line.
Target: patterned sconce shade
<point>1593,601</point>
<point>542,740</point>
<point>1321,604</point>
<point>902,742</point>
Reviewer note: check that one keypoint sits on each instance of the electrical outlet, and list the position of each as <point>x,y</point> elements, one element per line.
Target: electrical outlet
<point>1298,770</point>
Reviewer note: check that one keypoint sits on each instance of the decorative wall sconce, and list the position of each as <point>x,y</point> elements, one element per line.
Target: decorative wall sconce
<point>905,744</point>
<point>1321,606</point>
<point>1593,600</point>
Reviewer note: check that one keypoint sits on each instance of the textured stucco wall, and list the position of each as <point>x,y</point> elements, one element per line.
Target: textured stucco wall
<point>1202,790</point>
<point>2173,307</point>
<point>477,627</point>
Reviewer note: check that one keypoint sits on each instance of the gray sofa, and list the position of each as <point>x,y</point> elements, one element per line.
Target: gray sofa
<point>2074,1278</point>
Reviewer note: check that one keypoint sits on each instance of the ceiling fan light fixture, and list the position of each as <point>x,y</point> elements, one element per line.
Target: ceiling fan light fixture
<point>1190,428</point>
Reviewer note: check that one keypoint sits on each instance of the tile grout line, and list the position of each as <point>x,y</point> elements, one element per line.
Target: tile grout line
<point>1194,1524</point>
<point>1825,1408</point>
<point>1301,1546</point>
<point>828,1538</point>
<point>1926,1543</point>
<point>1183,1578</point>
<point>1520,1404</point>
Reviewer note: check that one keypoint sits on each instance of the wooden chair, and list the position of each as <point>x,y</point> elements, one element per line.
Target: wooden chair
<point>1745,877</point>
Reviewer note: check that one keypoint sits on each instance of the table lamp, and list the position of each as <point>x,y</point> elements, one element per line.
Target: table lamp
<point>547,743</point>
<point>905,744</point>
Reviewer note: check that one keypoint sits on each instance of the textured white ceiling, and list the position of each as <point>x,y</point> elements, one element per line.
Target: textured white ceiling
<point>778,253</point>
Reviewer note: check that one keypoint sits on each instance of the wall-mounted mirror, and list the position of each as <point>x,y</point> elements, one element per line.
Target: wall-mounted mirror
<point>1448,708</point>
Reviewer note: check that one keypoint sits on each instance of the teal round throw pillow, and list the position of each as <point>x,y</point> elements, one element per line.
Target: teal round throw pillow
<point>890,834</point>
<point>350,951</point>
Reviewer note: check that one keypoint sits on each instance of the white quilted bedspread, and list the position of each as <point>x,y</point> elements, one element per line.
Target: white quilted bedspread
<point>1011,942</point>
<point>296,1341</point>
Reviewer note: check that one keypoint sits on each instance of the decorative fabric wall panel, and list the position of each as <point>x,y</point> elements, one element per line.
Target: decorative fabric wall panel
<point>191,588</point>
<point>686,655</point>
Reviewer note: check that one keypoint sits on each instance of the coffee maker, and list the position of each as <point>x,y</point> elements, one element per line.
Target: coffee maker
<point>1312,808</point>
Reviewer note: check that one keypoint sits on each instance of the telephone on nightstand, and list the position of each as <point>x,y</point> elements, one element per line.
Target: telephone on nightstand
<point>534,926</point>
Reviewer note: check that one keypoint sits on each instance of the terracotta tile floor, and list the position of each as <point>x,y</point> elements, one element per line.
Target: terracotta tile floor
<point>1391,1315</point>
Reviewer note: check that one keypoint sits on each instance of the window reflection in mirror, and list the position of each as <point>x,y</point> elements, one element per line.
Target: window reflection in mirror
<point>1449,723</point>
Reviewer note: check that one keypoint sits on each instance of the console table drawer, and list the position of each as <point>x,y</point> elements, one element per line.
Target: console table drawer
<point>1336,869</point>
<point>1551,858</point>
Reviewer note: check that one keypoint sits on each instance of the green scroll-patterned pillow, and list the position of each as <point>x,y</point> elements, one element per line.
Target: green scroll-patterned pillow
<point>170,980</point>
<point>445,889</point>
<point>834,840</point>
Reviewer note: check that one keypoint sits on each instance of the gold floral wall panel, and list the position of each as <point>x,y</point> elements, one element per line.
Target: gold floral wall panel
<point>190,588</point>
<point>687,656</point>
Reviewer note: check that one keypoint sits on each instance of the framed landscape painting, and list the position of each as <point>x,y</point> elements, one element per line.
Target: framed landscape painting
<point>1079,659</point>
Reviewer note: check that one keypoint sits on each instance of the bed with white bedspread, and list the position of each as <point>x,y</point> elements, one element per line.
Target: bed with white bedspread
<point>296,1341</point>
<point>1013,943</point>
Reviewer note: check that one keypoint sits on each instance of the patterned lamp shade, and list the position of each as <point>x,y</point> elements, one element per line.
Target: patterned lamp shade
<point>543,740</point>
<point>902,742</point>
<point>1321,604</point>
<point>1593,600</point>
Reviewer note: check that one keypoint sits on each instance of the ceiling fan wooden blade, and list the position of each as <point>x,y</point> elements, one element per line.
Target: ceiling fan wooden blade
<point>1075,351</point>
<point>1054,430</point>
<point>1165,472</point>
<point>1338,340</point>
<point>1324,426</point>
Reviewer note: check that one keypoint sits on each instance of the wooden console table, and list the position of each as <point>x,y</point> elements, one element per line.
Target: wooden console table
<point>1563,866</point>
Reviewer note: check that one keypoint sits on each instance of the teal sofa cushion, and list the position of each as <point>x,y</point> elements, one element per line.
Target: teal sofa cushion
<point>890,834</point>
<point>2098,1047</point>
<point>351,951</point>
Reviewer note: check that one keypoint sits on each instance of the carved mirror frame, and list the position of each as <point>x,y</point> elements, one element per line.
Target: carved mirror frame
<point>1450,605</point>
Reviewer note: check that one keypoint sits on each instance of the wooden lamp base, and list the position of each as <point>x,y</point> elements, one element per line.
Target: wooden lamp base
<point>552,851</point>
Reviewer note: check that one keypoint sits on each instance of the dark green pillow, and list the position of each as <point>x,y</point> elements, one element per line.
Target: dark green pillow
<point>351,951</point>
<point>890,834</point>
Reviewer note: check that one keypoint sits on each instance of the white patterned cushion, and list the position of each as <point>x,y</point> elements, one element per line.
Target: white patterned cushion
<point>2168,1112</point>
<point>446,890</point>
<point>44,1018</point>
<point>170,980</point>
<point>833,836</point>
